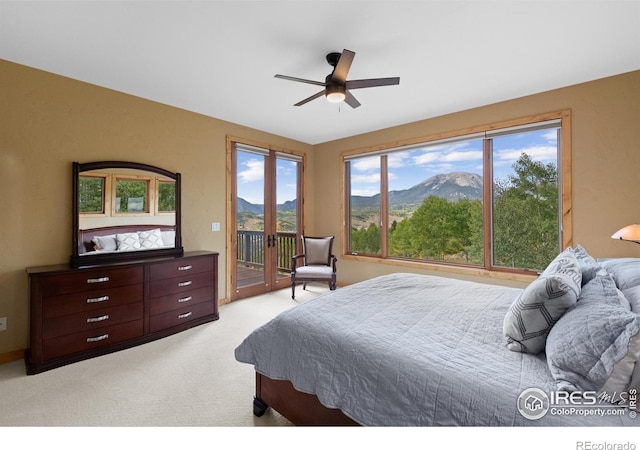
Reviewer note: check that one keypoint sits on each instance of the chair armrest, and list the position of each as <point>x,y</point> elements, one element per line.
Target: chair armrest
<point>294,261</point>
<point>333,262</point>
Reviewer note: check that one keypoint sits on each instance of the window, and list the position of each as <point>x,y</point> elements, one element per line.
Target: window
<point>132,196</point>
<point>110,195</point>
<point>489,198</point>
<point>91,195</point>
<point>166,196</point>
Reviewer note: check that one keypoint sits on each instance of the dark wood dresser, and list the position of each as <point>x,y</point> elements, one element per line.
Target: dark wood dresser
<point>80,313</point>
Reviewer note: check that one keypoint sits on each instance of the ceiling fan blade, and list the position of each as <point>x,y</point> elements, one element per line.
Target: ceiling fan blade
<point>351,100</point>
<point>308,99</point>
<point>300,80</point>
<point>373,82</point>
<point>342,68</point>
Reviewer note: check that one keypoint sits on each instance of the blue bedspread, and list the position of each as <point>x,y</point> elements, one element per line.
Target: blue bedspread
<point>408,350</point>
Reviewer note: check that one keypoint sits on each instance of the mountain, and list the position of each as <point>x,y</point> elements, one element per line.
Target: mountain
<point>452,186</point>
<point>245,206</point>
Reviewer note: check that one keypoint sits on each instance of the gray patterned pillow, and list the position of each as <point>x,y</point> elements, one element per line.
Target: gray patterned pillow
<point>588,265</point>
<point>534,312</point>
<point>150,238</point>
<point>128,241</point>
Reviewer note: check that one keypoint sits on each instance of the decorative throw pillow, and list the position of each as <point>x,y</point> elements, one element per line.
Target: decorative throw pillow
<point>587,342</point>
<point>588,265</point>
<point>534,312</point>
<point>150,238</point>
<point>106,243</point>
<point>128,241</point>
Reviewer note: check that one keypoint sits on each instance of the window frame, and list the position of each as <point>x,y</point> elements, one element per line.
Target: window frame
<point>526,123</point>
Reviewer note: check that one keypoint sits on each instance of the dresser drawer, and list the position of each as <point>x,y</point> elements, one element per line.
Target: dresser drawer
<point>179,316</point>
<point>90,280</point>
<point>180,300</point>
<point>91,320</point>
<point>180,285</point>
<point>91,301</point>
<point>181,267</point>
<point>91,339</point>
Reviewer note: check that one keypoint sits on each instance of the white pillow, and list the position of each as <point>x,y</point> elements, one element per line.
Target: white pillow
<point>105,243</point>
<point>168,238</point>
<point>128,241</point>
<point>150,238</point>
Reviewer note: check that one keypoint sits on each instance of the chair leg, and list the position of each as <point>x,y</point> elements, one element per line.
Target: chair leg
<point>293,290</point>
<point>304,286</point>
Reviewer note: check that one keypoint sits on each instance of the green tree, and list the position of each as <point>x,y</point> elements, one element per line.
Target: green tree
<point>525,216</point>
<point>366,240</point>
<point>439,229</point>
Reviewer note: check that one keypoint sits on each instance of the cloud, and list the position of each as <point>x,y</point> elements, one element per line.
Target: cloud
<point>541,153</point>
<point>254,171</point>
<point>367,178</point>
<point>366,164</point>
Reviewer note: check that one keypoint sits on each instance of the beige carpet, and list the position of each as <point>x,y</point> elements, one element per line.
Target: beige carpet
<point>188,379</point>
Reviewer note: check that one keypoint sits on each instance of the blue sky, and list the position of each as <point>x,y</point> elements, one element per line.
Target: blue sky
<point>406,168</point>
<point>251,178</point>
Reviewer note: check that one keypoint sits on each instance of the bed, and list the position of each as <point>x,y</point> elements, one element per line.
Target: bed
<point>418,350</point>
<point>123,238</point>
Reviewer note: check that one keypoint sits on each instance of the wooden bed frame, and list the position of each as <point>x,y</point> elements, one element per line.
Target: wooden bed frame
<point>298,407</point>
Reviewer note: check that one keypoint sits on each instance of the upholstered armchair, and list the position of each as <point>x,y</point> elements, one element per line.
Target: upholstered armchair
<point>316,263</point>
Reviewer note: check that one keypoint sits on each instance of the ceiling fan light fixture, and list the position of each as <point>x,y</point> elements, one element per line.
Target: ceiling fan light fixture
<point>335,93</point>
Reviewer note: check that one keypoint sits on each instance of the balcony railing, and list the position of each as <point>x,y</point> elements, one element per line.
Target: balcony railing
<point>251,245</point>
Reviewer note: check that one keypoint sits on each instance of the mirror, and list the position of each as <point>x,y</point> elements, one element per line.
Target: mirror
<point>124,211</point>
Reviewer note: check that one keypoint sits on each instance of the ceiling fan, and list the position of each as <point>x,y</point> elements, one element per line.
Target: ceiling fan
<point>336,87</point>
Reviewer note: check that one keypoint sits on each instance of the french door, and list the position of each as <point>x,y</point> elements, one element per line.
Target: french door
<point>266,215</point>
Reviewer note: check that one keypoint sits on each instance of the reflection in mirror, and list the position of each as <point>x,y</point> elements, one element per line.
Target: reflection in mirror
<point>122,209</point>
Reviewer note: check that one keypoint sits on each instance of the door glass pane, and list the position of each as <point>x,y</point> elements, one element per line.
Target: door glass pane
<point>250,218</point>
<point>286,214</point>
<point>526,222</point>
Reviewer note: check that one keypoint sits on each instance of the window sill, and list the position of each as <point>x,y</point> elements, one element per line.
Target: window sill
<point>506,275</point>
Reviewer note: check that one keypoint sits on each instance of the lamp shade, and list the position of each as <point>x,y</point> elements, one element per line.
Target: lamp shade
<point>628,233</point>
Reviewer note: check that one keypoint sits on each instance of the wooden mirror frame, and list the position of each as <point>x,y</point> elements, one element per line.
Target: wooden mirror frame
<point>78,260</point>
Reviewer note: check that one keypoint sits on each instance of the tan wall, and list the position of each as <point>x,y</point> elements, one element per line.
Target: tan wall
<point>47,122</point>
<point>605,163</point>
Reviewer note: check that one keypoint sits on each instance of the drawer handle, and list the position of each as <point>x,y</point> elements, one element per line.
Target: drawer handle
<point>98,280</point>
<point>185,315</point>
<point>185,299</point>
<point>187,267</point>
<point>184,283</point>
<point>104,298</point>
<point>98,338</point>
<point>98,319</point>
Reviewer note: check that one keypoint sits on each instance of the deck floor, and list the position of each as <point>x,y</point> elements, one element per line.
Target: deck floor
<point>250,275</point>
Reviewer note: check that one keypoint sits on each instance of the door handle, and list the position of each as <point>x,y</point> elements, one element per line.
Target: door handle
<point>268,241</point>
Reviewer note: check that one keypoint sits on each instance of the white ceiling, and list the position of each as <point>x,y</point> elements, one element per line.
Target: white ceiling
<point>219,58</point>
